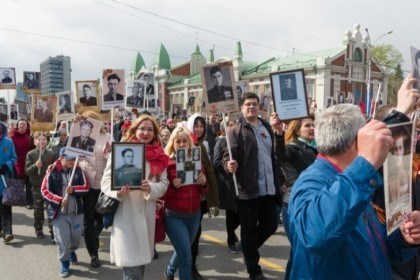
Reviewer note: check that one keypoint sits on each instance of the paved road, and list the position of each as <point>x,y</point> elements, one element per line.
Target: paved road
<point>29,258</point>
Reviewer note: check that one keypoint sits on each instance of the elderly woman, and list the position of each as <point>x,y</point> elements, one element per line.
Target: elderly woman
<point>133,231</point>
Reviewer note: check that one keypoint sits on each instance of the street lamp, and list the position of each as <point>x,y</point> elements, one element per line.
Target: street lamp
<point>369,47</point>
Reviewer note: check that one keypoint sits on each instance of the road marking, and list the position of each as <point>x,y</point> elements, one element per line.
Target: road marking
<point>263,261</point>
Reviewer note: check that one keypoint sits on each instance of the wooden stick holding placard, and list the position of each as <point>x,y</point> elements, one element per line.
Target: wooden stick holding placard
<point>235,182</point>
<point>71,177</point>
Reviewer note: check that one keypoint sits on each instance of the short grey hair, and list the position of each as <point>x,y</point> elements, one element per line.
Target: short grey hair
<point>336,128</point>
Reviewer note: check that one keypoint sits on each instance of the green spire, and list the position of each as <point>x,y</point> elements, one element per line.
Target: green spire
<point>197,49</point>
<point>138,63</point>
<point>162,58</point>
<point>211,56</point>
<point>238,50</point>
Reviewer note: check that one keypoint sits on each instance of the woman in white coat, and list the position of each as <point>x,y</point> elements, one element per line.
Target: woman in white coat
<point>133,231</point>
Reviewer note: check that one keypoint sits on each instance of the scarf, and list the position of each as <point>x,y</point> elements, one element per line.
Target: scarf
<point>156,157</point>
<point>311,143</point>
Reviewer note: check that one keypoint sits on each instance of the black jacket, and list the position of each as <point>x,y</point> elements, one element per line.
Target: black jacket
<point>245,151</point>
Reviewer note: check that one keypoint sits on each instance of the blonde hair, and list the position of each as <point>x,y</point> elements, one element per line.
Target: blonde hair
<point>131,132</point>
<point>178,131</point>
<point>39,133</point>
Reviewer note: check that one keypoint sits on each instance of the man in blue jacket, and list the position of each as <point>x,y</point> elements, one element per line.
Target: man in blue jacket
<point>335,232</point>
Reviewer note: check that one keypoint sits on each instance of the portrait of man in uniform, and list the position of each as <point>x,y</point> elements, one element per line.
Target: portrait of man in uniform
<point>43,113</point>
<point>6,77</point>
<point>136,99</point>
<point>3,112</point>
<point>220,91</point>
<point>288,87</point>
<point>87,99</point>
<point>13,112</point>
<point>84,141</point>
<point>128,170</point>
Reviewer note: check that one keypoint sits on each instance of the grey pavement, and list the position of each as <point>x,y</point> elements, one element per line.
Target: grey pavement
<point>29,258</point>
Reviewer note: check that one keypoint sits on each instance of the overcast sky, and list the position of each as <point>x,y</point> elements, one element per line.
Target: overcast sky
<point>281,26</point>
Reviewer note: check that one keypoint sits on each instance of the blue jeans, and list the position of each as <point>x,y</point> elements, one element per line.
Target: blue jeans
<point>181,229</point>
<point>285,219</point>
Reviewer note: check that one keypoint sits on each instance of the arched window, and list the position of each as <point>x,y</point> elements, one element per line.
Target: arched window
<point>357,55</point>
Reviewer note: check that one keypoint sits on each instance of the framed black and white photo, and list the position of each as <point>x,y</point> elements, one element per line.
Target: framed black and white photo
<point>65,109</point>
<point>218,92</point>
<point>31,82</point>
<point>128,165</point>
<point>135,94</point>
<point>7,78</point>
<point>4,113</point>
<point>113,92</point>
<point>14,113</point>
<point>397,175</point>
<point>188,164</point>
<point>43,112</point>
<point>87,93</point>
<point>289,94</point>
<point>83,135</point>
<point>148,79</point>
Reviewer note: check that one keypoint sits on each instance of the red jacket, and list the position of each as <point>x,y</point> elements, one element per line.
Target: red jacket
<point>23,144</point>
<point>186,199</point>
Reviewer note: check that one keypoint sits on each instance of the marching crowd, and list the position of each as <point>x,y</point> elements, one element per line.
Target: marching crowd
<point>325,186</point>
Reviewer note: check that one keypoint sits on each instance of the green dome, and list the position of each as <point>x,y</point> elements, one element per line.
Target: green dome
<point>162,58</point>
<point>138,63</point>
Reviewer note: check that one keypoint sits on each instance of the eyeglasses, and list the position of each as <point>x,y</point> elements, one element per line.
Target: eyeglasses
<point>251,104</point>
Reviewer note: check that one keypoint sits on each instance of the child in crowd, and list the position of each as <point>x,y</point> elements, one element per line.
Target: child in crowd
<point>36,164</point>
<point>65,207</point>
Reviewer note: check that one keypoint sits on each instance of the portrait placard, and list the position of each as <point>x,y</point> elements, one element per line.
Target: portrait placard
<point>84,133</point>
<point>135,94</point>
<point>66,108</point>
<point>176,111</point>
<point>128,165</point>
<point>7,78</point>
<point>31,82</point>
<point>218,82</point>
<point>289,94</point>
<point>113,92</point>
<point>241,88</point>
<point>148,79</point>
<point>87,93</point>
<point>22,110</point>
<point>397,176</point>
<point>4,112</point>
<point>43,112</point>
<point>415,65</point>
<point>188,164</point>
<point>13,113</point>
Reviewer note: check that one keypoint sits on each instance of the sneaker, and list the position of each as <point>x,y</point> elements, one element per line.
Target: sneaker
<point>95,262</point>
<point>168,277</point>
<point>239,246</point>
<point>29,207</point>
<point>258,277</point>
<point>195,275</point>
<point>233,249</point>
<point>73,258</point>
<point>39,234</point>
<point>8,237</point>
<point>64,269</point>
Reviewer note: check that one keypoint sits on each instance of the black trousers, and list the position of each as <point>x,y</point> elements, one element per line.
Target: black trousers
<point>29,195</point>
<point>5,218</point>
<point>258,222</point>
<point>93,223</point>
<point>232,223</point>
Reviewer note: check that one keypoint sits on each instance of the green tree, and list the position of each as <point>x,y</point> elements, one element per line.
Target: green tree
<point>390,59</point>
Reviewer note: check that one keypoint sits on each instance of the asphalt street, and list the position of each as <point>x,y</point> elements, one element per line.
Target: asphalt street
<point>27,257</point>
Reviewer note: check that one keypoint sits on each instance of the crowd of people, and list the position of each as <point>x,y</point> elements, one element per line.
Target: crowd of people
<point>321,171</point>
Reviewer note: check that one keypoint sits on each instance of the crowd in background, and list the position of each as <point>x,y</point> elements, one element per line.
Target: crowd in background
<point>275,164</point>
